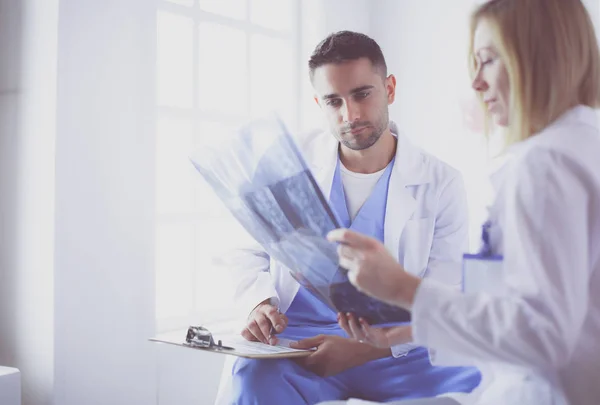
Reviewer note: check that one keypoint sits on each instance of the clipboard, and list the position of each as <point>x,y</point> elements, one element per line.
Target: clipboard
<point>235,345</point>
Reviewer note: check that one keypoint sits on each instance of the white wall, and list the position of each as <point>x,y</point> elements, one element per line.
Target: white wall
<point>593,7</point>
<point>27,133</point>
<point>10,37</point>
<point>425,45</point>
<point>104,266</point>
<point>319,19</point>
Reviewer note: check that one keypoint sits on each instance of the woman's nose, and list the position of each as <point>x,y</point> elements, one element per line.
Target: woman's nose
<point>479,84</point>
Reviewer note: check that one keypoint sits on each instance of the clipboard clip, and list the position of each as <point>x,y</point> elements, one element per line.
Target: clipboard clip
<point>200,337</point>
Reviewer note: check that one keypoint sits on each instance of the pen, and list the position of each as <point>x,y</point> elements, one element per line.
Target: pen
<point>273,331</point>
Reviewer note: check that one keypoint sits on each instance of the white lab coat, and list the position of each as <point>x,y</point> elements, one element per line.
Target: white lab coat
<point>426,226</point>
<point>539,339</point>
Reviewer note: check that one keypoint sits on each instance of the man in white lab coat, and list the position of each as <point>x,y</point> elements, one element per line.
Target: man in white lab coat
<point>377,183</point>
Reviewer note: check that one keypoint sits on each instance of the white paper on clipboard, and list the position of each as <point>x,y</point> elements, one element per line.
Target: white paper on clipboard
<point>240,347</point>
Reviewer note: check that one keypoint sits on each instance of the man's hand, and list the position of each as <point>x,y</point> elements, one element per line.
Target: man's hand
<point>378,337</point>
<point>264,321</point>
<point>335,354</point>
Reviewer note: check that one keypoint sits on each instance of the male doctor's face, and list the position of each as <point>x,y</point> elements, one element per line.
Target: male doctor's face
<point>354,96</point>
<point>491,77</point>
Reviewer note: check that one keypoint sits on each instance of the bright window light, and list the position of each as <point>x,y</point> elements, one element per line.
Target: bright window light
<point>222,69</point>
<point>231,8</point>
<point>174,60</point>
<point>273,14</point>
<point>271,79</point>
<point>219,63</point>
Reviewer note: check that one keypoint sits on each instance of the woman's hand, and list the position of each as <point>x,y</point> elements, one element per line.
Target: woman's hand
<point>373,270</point>
<point>385,337</point>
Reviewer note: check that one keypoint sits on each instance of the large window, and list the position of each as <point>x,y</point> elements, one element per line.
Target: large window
<point>219,64</point>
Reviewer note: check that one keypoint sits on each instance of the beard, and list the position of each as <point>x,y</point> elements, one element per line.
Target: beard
<point>366,138</point>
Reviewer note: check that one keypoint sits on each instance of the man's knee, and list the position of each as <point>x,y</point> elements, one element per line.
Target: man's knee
<point>260,370</point>
<point>257,378</point>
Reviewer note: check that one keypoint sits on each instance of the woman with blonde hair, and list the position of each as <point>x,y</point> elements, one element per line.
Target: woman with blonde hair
<point>536,67</point>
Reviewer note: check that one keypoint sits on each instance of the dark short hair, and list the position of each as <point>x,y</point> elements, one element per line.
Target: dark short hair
<point>345,46</point>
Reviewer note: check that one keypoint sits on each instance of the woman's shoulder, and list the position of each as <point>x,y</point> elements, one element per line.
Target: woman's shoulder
<point>574,138</point>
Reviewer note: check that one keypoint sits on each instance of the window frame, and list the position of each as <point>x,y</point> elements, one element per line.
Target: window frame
<point>197,116</point>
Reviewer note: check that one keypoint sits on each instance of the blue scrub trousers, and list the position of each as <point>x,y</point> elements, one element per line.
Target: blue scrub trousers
<point>266,382</point>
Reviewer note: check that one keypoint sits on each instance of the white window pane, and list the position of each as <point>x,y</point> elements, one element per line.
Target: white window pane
<point>214,239</point>
<point>174,270</point>
<point>182,2</point>
<point>175,175</point>
<point>210,134</point>
<point>174,60</point>
<point>213,133</point>
<point>271,77</point>
<point>222,69</point>
<point>275,14</point>
<point>311,116</point>
<point>229,8</point>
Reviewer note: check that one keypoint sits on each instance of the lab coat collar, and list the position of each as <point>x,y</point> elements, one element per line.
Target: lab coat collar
<point>580,114</point>
<point>409,167</point>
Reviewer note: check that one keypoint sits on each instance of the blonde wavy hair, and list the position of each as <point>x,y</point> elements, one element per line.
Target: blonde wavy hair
<point>550,51</point>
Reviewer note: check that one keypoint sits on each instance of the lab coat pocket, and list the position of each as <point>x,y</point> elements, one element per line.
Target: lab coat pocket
<point>415,245</point>
<point>482,273</point>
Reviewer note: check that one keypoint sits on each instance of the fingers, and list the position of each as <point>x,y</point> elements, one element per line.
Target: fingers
<point>353,277</point>
<point>257,331</point>
<point>259,326</point>
<point>348,252</point>
<point>308,343</point>
<point>343,322</point>
<point>350,259</point>
<point>348,264</point>
<point>351,238</point>
<point>365,328</point>
<point>275,318</point>
<point>265,325</point>
<point>246,334</point>
<point>355,328</point>
<point>263,322</point>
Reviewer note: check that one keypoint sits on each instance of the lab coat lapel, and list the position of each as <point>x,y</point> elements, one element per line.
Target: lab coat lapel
<point>399,208</point>
<point>409,170</point>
